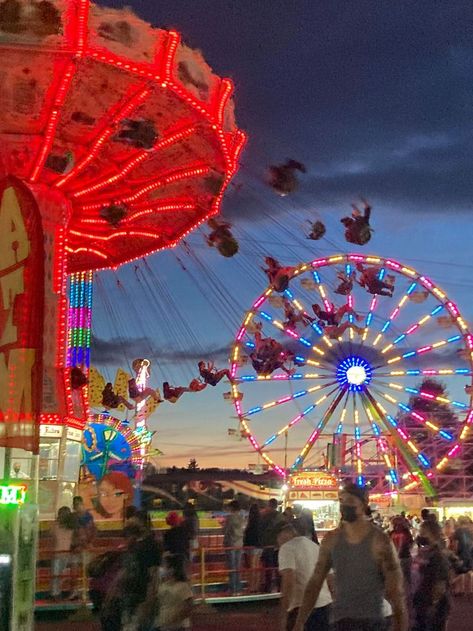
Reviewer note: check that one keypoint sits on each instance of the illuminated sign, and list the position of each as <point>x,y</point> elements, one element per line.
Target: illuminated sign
<point>12,494</point>
<point>313,481</point>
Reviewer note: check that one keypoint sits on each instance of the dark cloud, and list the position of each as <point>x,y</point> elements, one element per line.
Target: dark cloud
<point>122,352</point>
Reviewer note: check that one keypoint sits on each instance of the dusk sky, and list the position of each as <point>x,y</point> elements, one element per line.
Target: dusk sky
<point>375,98</point>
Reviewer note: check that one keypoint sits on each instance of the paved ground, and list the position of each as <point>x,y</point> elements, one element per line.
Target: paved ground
<point>254,617</point>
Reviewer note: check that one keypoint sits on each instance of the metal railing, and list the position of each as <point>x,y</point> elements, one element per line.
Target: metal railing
<point>217,574</point>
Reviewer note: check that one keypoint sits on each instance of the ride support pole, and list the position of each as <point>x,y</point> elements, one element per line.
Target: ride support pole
<point>202,574</point>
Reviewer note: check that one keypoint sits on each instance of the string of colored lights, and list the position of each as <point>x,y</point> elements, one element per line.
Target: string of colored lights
<point>79,320</point>
<point>380,441</point>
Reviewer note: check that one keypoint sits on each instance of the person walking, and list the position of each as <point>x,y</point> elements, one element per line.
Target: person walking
<point>84,532</point>
<point>233,543</point>
<point>252,543</point>
<point>297,558</point>
<point>403,541</point>
<point>271,522</point>
<point>430,600</point>
<point>366,569</point>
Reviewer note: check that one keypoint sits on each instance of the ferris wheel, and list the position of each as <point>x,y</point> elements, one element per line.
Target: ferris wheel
<point>361,365</point>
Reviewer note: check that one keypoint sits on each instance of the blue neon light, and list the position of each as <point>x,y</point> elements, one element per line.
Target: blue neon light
<point>351,362</point>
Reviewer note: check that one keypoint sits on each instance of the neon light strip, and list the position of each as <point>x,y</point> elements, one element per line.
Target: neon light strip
<point>382,445</point>
<point>129,103</point>
<point>395,313</point>
<point>136,161</point>
<point>281,377</point>
<point>402,439</point>
<point>326,303</point>
<point>425,349</point>
<point>426,395</point>
<point>359,460</point>
<point>53,121</point>
<point>369,317</point>
<point>413,328</point>
<point>444,372</point>
<point>286,399</point>
<point>289,332</point>
<point>318,430</point>
<point>407,409</point>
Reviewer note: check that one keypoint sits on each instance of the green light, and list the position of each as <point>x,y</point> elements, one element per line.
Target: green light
<point>12,494</point>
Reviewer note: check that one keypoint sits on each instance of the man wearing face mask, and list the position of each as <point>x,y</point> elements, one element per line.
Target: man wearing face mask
<point>366,570</point>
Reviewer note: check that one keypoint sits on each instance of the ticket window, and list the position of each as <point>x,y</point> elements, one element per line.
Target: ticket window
<point>49,451</point>
<point>19,465</point>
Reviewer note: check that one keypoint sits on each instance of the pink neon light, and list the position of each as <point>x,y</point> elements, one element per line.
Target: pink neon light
<point>394,313</point>
<point>427,395</point>
<point>453,450</point>
<point>259,302</point>
<point>412,329</point>
<point>319,262</point>
<point>292,333</point>
<point>402,433</point>
<point>426,281</point>
<point>356,257</point>
<point>393,264</point>
<point>241,333</point>
<point>424,349</point>
<point>327,305</point>
<point>453,309</point>
<point>284,399</point>
<point>373,303</point>
<point>350,301</point>
<point>469,419</point>
<point>418,416</point>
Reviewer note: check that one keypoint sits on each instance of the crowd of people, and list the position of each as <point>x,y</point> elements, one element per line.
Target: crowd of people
<point>369,574</point>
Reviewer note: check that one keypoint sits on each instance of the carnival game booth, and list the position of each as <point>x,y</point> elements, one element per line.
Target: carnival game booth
<point>317,491</point>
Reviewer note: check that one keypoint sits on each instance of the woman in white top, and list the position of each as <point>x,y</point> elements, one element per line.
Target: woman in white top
<point>62,538</point>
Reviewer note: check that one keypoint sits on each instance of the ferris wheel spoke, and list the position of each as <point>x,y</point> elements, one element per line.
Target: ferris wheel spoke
<point>307,344</point>
<point>358,444</point>
<point>424,395</point>
<point>407,449</point>
<point>406,409</point>
<point>422,350</point>
<point>341,422</point>
<point>413,328</point>
<point>395,313</point>
<point>287,399</point>
<point>318,430</point>
<point>298,418</point>
<point>298,376</point>
<point>369,318</point>
<point>380,440</point>
<point>441,372</point>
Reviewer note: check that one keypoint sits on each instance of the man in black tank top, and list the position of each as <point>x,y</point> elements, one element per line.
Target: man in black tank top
<point>366,570</point>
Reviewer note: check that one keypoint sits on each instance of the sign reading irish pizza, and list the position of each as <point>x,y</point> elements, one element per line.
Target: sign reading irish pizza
<point>313,485</point>
<point>21,316</point>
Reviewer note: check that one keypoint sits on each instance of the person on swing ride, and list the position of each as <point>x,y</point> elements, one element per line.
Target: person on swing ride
<point>282,177</point>
<point>357,227</point>
<point>269,355</point>
<point>112,400</point>
<point>317,230</point>
<point>334,316</point>
<point>222,237</point>
<point>140,133</point>
<point>174,393</point>
<point>278,276</point>
<point>346,283</point>
<point>369,279</point>
<point>334,331</point>
<point>139,395</point>
<point>293,317</point>
<point>211,375</point>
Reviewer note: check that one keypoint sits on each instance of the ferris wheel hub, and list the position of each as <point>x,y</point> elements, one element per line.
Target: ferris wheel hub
<point>354,373</point>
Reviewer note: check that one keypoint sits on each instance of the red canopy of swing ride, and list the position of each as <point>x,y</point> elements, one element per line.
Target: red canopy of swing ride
<point>130,126</point>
